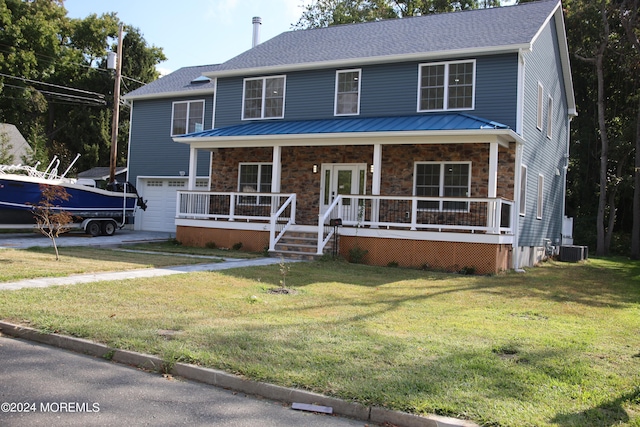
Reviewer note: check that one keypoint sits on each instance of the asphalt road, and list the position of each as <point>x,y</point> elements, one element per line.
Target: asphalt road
<point>61,388</point>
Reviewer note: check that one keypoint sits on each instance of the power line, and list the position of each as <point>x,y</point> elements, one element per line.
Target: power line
<point>68,97</point>
<point>99,95</point>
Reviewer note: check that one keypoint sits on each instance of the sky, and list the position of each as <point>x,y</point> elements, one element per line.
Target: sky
<point>196,32</point>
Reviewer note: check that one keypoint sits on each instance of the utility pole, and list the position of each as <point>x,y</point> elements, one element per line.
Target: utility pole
<point>116,111</point>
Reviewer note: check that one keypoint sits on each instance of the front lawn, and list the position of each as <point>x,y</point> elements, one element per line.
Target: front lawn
<point>40,262</point>
<point>558,345</point>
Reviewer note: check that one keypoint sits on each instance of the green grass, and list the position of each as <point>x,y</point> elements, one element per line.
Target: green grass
<point>558,345</point>
<point>40,262</point>
<point>171,246</point>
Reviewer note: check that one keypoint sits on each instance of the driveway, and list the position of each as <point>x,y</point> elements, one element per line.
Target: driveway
<point>78,238</point>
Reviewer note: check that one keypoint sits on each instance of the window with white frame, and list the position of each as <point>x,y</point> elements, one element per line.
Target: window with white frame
<point>549,117</point>
<point>437,179</point>
<point>523,190</point>
<point>347,92</point>
<point>539,106</point>
<point>187,117</point>
<point>254,178</point>
<point>263,98</point>
<point>446,86</point>
<point>540,196</point>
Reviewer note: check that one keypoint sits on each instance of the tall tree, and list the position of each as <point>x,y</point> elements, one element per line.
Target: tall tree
<point>54,85</point>
<point>323,13</point>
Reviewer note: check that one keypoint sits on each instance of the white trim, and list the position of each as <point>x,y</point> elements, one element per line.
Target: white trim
<point>435,236</point>
<point>264,95</point>
<point>225,225</point>
<point>493,170</point>
<point>520,98</point>
<point>502,136</point>
<point>445,101</point>
<point>386,59</point>
<point>172,94</point>
<point>129,144</point>
<point>335,98</point>
<point>215,99</point>
<point>540,197</point>
<point>276,169</point>
<point>188,102</point>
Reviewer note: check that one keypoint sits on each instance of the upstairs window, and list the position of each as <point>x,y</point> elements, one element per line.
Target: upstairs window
<point>549,117</point>
<point>523,190</point>
<point>442,180</point>
<point>255,178</point>
<point>187,117</point>
<point>446,86</point>
<point>540,198</point>
<point>539,107</point>
<point>263,98</point>
<point>347,93</point>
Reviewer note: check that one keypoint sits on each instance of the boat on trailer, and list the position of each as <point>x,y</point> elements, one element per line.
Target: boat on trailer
<point>97,211</point>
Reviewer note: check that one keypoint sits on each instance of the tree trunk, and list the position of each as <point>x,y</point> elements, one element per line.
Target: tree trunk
<point>635,229</point>
<point>601,248</point>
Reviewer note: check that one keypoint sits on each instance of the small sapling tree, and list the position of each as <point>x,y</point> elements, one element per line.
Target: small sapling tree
<point>52,221</point>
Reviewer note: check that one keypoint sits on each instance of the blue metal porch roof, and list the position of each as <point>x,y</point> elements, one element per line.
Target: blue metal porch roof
<point>427,122</point>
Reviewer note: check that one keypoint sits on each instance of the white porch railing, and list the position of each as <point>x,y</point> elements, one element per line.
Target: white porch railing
<point>279,210</point>
<point>453,214</point>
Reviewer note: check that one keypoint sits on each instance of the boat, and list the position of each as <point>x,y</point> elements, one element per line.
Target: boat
<point>95,210</point>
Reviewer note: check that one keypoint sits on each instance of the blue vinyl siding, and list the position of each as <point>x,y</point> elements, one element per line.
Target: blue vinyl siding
<point>152,151</point>
<point>544,155</point>
<point>387,90</point>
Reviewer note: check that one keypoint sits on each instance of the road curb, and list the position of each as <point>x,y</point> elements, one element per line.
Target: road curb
<point>225,380</point>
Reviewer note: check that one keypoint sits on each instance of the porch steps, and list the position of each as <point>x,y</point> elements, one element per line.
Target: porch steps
<point>300,245</point>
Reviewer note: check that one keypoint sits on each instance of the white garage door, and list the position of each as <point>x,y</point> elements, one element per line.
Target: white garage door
<point>160,195</point>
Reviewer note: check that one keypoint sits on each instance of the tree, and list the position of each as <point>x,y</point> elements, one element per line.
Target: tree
<point>6,158</point>
<point>50,219</point>
<point>54,85</point>
<point>323,13</point>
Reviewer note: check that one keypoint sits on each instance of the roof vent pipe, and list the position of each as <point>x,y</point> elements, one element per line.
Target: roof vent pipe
<point>257,21</point>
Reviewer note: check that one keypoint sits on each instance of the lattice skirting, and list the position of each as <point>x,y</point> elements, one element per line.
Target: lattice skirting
<point>450,256</point>
<point>253,241</point>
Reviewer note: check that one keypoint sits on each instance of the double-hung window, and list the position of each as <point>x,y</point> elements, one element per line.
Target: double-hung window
<point>255,178</point>
<point>187,117</point>
<point>539,106</point>
<point>347,93</point>
<point>522,209</point>
<point>549,117</point>
<point>446,86</point>
<point>263,98</point>
<point>539,210</point>
<point>442,180</point>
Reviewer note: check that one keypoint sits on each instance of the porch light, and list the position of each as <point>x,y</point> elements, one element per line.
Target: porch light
<point>315,168</point>
<point>371,168</point>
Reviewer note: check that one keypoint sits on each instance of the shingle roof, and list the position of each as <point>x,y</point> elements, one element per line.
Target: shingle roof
<point>467,31</point>
<point>431,122</point>
<point>178,81</point>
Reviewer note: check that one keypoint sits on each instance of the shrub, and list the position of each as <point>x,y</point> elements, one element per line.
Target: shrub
<point>237,246</point>
<point>357,254</point>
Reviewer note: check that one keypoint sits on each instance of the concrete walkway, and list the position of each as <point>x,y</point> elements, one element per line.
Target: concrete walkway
<point>135,274</point>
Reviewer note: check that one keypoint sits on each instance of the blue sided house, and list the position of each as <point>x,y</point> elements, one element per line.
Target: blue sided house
<point>438,140</point>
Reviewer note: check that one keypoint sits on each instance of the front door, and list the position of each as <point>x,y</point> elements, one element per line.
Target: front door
<point>341,178</point>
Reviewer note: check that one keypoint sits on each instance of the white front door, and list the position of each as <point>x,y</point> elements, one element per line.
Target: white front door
<point>341,178</point>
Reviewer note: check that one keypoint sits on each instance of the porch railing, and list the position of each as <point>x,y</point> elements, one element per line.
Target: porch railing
<point>279,210</point>
<point>453,214</point>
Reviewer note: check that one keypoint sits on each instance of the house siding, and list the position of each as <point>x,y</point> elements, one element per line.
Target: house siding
<point>152,151</point>
<point>544,155</point>
<point>387,90</point>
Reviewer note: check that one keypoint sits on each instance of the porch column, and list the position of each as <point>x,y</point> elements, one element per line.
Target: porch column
<point>493,214</point>
<point>375,183</point>
<point>276,169</point>
<point>193,168</point>
<point>493,169</point>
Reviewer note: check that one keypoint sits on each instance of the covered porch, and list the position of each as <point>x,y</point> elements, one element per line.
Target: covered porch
<point>432,192</point>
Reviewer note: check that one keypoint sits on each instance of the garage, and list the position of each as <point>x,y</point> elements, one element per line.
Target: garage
<point>160,195</point>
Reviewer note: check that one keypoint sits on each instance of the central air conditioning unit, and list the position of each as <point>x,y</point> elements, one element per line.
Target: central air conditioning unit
<point>573,253</point>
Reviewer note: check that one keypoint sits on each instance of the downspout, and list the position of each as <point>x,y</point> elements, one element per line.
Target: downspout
<point>565,170</point>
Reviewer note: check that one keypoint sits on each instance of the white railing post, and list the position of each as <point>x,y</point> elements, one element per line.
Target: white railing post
<point>414,213</point>
<point>232,206</point>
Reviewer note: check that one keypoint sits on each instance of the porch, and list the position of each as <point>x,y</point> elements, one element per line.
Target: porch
<point>440,232</point>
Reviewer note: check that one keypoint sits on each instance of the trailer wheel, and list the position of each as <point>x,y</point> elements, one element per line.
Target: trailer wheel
<point>93,228</point>
<point>109,228</point>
